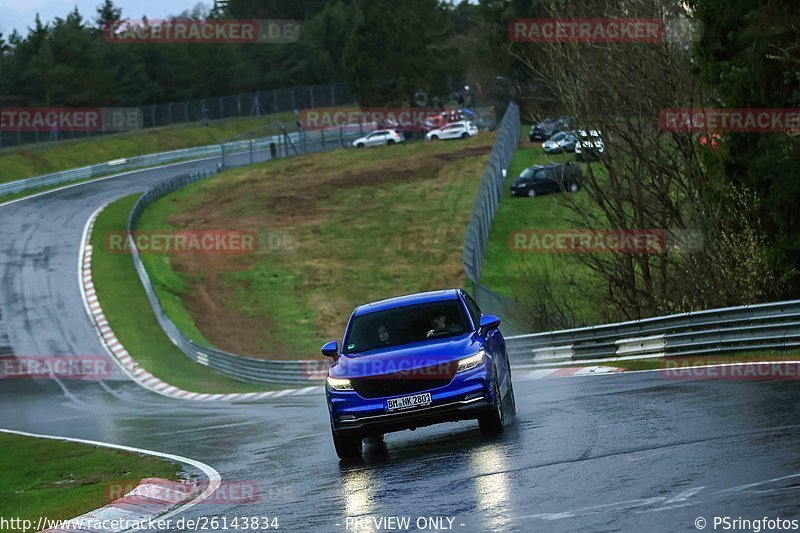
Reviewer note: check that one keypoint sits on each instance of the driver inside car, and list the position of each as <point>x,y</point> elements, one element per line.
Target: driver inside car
<point>439,325</point>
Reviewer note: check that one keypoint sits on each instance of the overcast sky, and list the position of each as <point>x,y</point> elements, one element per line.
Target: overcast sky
<point>20,14</point>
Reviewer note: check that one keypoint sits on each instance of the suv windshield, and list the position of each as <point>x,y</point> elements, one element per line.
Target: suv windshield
<point>405,325</point>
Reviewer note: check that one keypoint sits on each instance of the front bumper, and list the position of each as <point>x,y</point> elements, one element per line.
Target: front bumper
<point>465,397</point>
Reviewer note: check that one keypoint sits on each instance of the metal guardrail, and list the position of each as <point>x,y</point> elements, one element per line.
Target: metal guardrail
<point>336,137</point>
<point>770,326</point>
<point>109,167</point>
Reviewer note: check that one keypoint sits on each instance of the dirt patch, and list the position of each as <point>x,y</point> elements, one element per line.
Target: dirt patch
<point>297,197</point>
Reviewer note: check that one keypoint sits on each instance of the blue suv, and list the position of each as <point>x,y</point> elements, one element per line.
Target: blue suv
<point>413,361</point>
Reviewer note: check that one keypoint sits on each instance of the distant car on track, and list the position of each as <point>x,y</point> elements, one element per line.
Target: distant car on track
<point>456,130</point>
<point>379,138</point>
<point>413,361</point>
<point>546,179</point>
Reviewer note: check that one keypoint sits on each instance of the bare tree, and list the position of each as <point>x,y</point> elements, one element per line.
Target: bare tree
<point>649,179</point>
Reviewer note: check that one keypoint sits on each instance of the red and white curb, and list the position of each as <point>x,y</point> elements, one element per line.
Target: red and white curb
<point>124,360</point>
<point>152,499</point>
<point>541,373</point>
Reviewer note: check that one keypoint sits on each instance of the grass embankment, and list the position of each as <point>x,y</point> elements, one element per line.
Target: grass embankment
<point>367,224</point>
<point>62,480</point>
<point>131,318</point>
<point>43,158</point>
<point>512,272</point>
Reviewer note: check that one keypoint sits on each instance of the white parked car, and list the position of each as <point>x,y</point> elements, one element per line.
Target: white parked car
<point>379,137</point>
<point>589,145</point>
<point>456,130</point>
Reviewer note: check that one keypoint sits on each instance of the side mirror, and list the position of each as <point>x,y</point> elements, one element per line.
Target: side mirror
<point>489,322</point>
<point>331,349</point>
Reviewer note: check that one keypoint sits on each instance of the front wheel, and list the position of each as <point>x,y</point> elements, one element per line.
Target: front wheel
<point>493,421</point>
<point>360,145</point>
<point>434,137</point>
<point>464,135</point>
<point>531,193</point>
<point>574,187</point>
<point>511,401</point>
<point>347,447</point>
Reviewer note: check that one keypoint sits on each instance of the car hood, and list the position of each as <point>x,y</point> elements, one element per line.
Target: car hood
<point>405,357</point>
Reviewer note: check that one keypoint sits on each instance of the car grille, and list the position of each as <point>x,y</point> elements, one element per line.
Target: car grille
<point>405,382</point>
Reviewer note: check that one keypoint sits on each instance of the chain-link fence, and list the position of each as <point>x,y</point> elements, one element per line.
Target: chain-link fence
<point>202,110</point>
<point>483,211</point>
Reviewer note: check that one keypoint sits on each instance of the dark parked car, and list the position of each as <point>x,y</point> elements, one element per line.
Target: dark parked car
<point>544,179</point>
<point>546,128</point>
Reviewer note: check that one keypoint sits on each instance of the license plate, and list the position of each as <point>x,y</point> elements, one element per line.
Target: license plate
<point>408,402</point>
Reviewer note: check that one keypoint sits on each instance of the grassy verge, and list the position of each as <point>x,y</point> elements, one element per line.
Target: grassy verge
<point>129,314</point>
<point>43,158</point>
<point>365,224</point>
<point>511,272</point>
<point>61,480</point>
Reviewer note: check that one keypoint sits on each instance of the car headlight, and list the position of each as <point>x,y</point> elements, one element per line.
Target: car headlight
<point>339,384</point>
<point>471,362</point>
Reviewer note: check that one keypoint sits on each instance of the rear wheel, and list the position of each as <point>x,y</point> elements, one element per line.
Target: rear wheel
<point>347,447</point>
<point>573,187</point>
<point>464,135</point>
<point>389,142</point>
<point>492,422</point>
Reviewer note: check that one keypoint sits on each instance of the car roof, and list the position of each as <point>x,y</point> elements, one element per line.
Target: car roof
<point>553,165</point>
<point>408,299</point>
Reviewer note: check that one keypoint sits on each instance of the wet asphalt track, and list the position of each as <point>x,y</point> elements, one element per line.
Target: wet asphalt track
<point>614,452</point>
